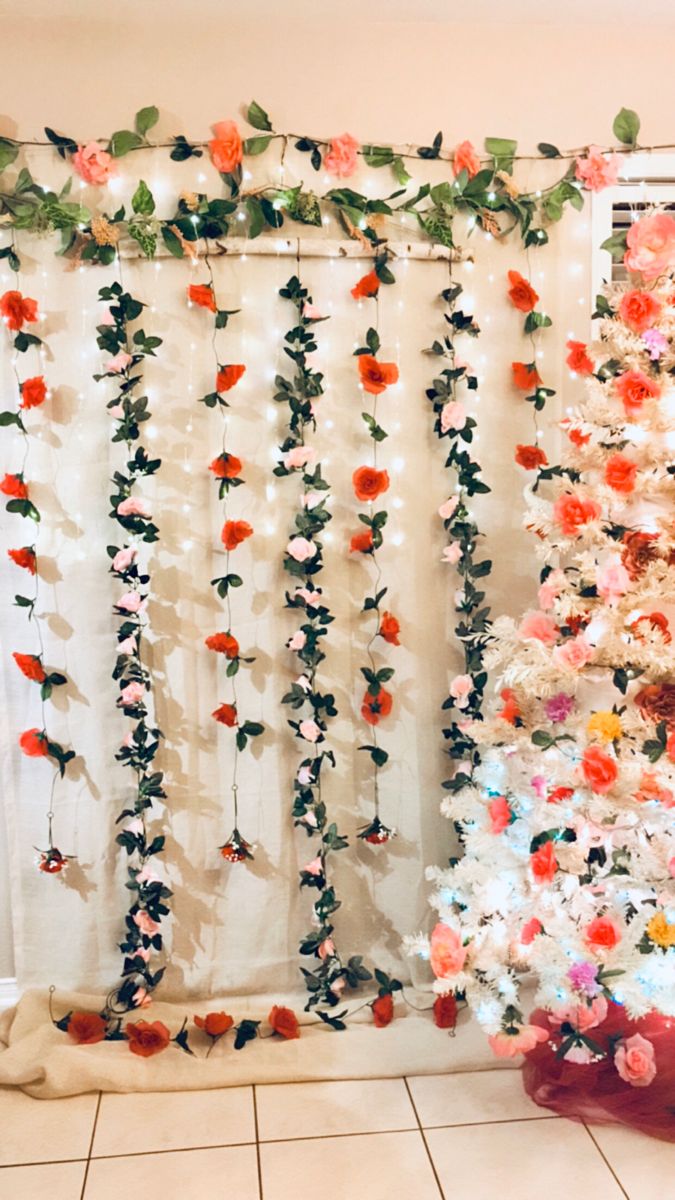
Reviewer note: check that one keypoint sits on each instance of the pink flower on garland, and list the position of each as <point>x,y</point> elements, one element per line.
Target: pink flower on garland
<point>452,553</point>
<point>133,506</point>
<point>301,549</point>
<point>133,693</point>
<point>635,1062</point>
<point>124,558</point>
<point>341,158</point>
<point>460,689</point>
<point>453,416</point>
<point>145,923</point>
<point>93,163</point>
<point>596,171</point>
<point>448,509</point>
<point>309,730</point>
<point>119,362</point>
<point>131,602</point>
<point>612,580</point>
<point>299,456</point>
<point>465,158</point>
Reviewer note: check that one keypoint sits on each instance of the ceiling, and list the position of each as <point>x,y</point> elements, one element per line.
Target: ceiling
<point>485,12</point>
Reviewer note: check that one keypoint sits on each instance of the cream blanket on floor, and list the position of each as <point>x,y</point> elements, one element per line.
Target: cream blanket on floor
<point>42,1061</point>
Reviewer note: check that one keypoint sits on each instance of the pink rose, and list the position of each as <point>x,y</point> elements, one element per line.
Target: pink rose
<point>311,598</point>
<point>310,499</point>
<point>500,814</point>
<point>573,654</point>
<point>305,776</point>
<point>147,875</point>
<point>124,557</point>
<point>634,1060</point>
<point>135,826</point>
<point>133,693</point>
<point>452,553</point>
<point>449,508</point>
<point>315,867</point>
<point>448,955</point>
<point>142,952</point>
<point>299,456</point>
<point>651,245</point>
<point>127,742</point>
<point>303,682</point>
<point>93,164</point>
<point>453,416</point>
<point>311,313</point>
<point>342,157</point>
<point>140,998</point>
<point>130,602</point>
<point>460,690</point>
<point>107,318</point>
<point>582,1016</point>
<point>309,730</point>
<point>551,589</point>
<point>612,580</point>
<point>301,549</point>
<point>530,930</point>
<point>327,948</point>
<point>127,645</point>
<point>145,923</point>
<point>538,626</point>
<point>596,171</point>
<point>338,985</point>
<point>297,642</point>
<point>116,411</point>
<point>119,363</point>
<point>507,1045</point>
<point>134,507</point>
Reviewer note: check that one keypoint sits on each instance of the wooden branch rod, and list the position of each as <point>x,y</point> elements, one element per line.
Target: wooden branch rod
<point>280,247</point>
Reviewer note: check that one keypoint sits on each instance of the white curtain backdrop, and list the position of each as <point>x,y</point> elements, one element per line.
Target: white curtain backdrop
<point>235,929</point>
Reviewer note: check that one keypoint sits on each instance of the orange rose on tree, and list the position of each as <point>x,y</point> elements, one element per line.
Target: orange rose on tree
<point>572,511</point>
<point>234,533</point>
<point>369,483</point>
<point>599,770</point>
<point>620,472</point>
<point>86,1028</point>
<point>226,466</point>
<point>521,293</point>
<point>525,376</point>
<point>202,295</point>
<point>33,392</point>
<point>543,863</point>
<point>578,359</point>
<point>369,285</point>
<point>633,388</point>
<point>376,376</point>
<point>284,1022</point>
<point>374,707</point>
<point>228,376</point>
<point>223,643</point>
<point>383,1010</point>
<point>226,714</point>
<point>389,629</point>
<point>530,457</point>
<point>30,666</point>
<point>226,147</point>
<point>147,1037</point>
<point>638,310</point>
<point>17,310</point>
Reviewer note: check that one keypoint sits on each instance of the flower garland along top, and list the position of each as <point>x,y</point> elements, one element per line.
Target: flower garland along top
<point>484,187</point>
<point>369,483</point>
<point>140,745</point>
<point>451,421</point>
<point>303,561</point>
<point>227,469</point>
<point>17,312</point>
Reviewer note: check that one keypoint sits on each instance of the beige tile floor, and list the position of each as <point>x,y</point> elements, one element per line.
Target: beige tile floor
<point>471,1136</point>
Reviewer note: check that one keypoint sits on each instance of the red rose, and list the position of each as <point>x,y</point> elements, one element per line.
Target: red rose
<point>202,295</point>
<point>33,392</point>
<point>24,557</point>
<point>226,466</point>
<point>234,533</point>
<point>215,1024</point>
<point>34,743</point>
<point>383,1010</point>
<point>602,933</point>
<point>226,714</point>
<point>633,388</point>
<point>578,359</point>
<point>511,710</point>
<point>229,375</point>
<point>620,472</point>
<point>374,707</point>
<point>639,549</point>
<point>147,1037</point>
<point>16,310</point>
<point>445,1011</point>
<point>376,376</point>
<point>369,483</point>
<point>638,310</point>
<point>284,1022</point>
<point>223,643</point>
<point>543,863</point>
<point>559,793</point>
<point>30,666</point>
<point>87,1028</point>
<point>14,486</point>
<point>530,457</point>
<point>52,861</point>
<point>525,376</point>
<point>368,286</point>
<point>389,629</point>
<point>656,702</point>
<point>362,543</point>
<point>599,770</point>
<point>571,511</point>
<point>521,294</point>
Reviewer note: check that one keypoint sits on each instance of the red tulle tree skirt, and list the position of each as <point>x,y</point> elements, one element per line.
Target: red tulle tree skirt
<point>595,1092</point>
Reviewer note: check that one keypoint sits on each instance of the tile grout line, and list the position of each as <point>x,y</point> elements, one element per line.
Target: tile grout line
<point>423,1135</point>
<point>91,1146</point>
<point>257,1142</point>
<point>606,1161</point>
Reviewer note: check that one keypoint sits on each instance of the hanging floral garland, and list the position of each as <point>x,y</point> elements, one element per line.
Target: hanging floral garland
<point>227,470</point>
<point>452,422</point>
<point>18,312</point>
<point>140,745</point>
<point>303,561</point>
<point>369,483</point>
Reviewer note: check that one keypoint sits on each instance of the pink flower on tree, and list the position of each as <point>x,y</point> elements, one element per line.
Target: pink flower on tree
<point>539,627</point>
<point>93,163</point>
<point>573,654</point>
<point>651,245</point>
<point>447,954</point>
<point>612,580</point>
